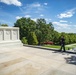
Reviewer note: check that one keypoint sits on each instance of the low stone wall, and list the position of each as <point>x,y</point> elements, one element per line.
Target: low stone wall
<point>9,35</point>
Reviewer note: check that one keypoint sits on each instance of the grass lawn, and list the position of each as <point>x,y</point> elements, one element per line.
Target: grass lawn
<point>58,47</point>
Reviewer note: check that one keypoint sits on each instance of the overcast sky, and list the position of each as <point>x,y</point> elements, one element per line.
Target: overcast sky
<point>62,13</point>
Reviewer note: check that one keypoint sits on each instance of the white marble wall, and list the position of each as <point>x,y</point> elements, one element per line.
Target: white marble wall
<point>9,33</point>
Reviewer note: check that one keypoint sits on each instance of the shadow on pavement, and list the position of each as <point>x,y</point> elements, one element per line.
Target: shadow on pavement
<point>56,50</point>
<point>62,52</point>
<point>71,60</point>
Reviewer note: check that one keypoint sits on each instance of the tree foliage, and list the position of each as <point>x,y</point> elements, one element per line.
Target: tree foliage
<point>26,25</point>
<point>32,39</point>
<point>24,40</point>
<point>4,25</point>
<point>43,30</point>
<point>40,31</point>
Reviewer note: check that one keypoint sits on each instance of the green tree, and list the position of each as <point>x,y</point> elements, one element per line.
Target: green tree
<point>39,35</point>
<point>26,26</point>
<point>51,26</point>
<point>72,38</point>
<point>24,40</point>
<point>43,30</point>
<point>32,39</point>
<point>4,25</point>
<point>56,37</point>
<point>66,39</point>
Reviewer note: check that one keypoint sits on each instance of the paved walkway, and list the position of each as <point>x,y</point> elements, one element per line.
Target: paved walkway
<point>34,61</point>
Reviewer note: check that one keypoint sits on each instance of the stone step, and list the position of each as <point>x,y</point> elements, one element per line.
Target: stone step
<point>11,43</point>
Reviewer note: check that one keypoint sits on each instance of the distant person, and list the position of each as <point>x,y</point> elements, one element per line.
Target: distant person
<point>62,43</point>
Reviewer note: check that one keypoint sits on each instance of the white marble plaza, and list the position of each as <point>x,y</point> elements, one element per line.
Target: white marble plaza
<point>34,61</point>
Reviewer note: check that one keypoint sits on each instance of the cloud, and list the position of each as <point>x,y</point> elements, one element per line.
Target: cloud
<point>14,2</point>
<point>18,17</point>
<point>35,8</point>
<point>67,14</point>
<point>27,16</point>
<point>63,21</point>
<point>41,15</point>
<point>45,3</point>
<point>36,5</point>
<point>64,27</point>
<point>34,19</point>
<point>33,5</point>
<point>47,19</point>
<point>61,24</point>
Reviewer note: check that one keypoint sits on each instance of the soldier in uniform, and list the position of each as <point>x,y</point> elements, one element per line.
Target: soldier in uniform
<point>62,42</point>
